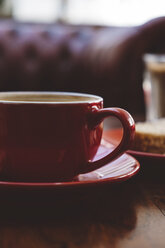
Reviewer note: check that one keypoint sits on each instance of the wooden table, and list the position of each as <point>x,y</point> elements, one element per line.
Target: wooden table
<point>128,214</point>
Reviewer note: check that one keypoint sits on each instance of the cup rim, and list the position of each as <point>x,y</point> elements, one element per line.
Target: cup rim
<point>94,98</point>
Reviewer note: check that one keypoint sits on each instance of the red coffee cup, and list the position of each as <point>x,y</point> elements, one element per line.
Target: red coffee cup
<point>53,136</point>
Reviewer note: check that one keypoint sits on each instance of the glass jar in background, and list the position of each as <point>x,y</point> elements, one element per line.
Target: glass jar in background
<point>154,86</point>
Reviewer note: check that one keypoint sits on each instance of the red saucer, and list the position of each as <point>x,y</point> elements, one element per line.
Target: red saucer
<point>119,170</point>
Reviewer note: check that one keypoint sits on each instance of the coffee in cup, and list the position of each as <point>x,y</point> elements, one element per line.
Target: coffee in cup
<point>54,136</point>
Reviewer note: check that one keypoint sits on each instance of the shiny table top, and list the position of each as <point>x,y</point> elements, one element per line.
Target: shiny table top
<point>127,214</point>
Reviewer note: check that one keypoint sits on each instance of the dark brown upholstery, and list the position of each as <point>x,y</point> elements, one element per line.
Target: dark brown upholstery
<point>60,57</point>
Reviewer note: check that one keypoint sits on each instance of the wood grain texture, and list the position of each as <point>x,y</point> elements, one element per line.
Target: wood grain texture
<point>129,214</point>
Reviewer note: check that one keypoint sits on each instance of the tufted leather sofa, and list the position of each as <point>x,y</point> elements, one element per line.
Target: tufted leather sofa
<point>60,57</point>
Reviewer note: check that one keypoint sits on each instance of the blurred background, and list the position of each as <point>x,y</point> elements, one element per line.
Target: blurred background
<point>89,46</point>
<point>105,12</point>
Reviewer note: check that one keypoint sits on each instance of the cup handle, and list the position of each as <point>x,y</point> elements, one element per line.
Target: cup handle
<point>95,118</point>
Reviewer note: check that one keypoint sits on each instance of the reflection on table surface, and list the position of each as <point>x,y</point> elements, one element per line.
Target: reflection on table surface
<point>127,214</point>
